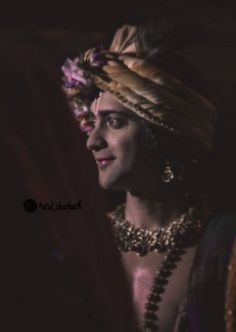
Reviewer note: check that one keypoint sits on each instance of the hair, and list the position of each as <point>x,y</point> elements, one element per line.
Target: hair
<point>160,42</point>
<point>157,42</point>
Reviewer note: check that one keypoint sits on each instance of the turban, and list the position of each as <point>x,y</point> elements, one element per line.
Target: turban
<point>140,85</point>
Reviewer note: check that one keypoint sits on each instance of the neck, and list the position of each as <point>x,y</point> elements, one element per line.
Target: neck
<point>153,213</point>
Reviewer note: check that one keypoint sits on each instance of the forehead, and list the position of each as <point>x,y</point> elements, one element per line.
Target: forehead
<point>106,101</point>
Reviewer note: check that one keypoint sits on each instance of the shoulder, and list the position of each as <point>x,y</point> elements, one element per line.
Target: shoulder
<point>215,247</point>
<point>219,235</point>
<point>211,279</point>
<point>225,222</point>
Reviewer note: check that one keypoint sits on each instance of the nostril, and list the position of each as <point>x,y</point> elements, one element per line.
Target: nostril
<point>95,143</point>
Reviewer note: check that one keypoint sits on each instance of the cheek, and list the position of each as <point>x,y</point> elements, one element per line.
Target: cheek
<point>129,150</point>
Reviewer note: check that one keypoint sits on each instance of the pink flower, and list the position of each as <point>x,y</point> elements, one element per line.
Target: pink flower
<point>74,74</point>
<point>79,86</point>
<point>85,126</point>
<point>96,57</point>
<point>78,109</point>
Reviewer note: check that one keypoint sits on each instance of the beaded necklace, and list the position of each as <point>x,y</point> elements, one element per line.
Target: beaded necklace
<point>186,228</point>
<point>181,233</point>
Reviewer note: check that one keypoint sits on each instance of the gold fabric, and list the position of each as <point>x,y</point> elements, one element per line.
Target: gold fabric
<point>143,87</point>
<point>124,40</point>
<point>153,94</point>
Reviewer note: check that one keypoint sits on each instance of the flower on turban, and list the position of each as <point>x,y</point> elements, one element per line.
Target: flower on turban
<point>140,85</point>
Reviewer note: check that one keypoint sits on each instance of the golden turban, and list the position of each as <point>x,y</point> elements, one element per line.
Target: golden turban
<point>153,93</point>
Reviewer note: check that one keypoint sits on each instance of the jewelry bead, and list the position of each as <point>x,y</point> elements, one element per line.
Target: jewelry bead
<point>154,297</point>
<point>142,241</point>
<point>149,315</point>
<point>180,233</point>
<point>165,273</point>
<point>151,306</point>
<point>151,325</point>
<point>157,288</point>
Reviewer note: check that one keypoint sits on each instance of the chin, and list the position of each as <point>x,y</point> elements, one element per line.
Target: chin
<point>110,184</point>
<point>113,184</point>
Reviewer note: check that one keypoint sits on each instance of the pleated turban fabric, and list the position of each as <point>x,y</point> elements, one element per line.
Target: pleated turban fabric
<point>142,86</point>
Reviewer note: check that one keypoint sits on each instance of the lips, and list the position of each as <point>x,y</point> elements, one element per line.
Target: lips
<point>104,162</point>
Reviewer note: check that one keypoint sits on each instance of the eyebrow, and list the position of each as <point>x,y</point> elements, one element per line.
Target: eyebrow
<point>106,112</point>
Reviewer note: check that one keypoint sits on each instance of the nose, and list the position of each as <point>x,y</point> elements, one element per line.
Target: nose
<point>96,140</point>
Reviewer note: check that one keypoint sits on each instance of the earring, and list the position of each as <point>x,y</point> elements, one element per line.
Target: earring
<point>168,174</point>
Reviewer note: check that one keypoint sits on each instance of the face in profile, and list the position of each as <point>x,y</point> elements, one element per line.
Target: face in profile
<point>117,143</point>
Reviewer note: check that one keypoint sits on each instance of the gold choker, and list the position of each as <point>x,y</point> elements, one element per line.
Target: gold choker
<point>187,229</point>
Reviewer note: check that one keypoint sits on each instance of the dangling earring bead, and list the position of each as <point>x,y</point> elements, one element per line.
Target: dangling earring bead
<point>168,174</point>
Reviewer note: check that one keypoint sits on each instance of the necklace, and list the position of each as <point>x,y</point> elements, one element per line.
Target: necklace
<point>181,233</point>
<point>186,228</point>
<point>160,281</point>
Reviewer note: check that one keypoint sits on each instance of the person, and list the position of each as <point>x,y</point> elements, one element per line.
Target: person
<point>60,265</point>
<point>150,127</point>
<point>212,297</point>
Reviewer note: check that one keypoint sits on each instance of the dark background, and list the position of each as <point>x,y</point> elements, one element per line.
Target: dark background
<point>208,41</point>
<point>207,36</point>
<point>66,26</point>
<point>87,15</point>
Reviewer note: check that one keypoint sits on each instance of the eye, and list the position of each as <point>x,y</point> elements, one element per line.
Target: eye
<point>115,122</point>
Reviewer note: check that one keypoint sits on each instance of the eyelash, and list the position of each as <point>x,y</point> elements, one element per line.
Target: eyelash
<point>108,119</point>
<point>118,122</point>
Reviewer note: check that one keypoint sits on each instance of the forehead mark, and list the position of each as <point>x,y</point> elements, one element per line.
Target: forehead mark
<point>96,103</point>
<point>98,108</point>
